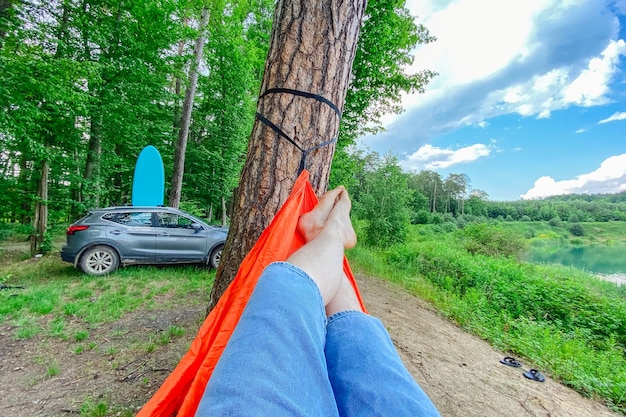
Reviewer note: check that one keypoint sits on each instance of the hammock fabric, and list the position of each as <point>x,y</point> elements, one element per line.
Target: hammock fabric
<point>181,392</point>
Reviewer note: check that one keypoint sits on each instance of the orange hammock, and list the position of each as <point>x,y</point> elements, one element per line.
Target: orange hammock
<point>181,392</point>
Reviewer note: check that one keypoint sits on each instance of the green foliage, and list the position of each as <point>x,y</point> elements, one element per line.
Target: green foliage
<point>490,240</point>
<point>52,370</point>
<point>46,244</point>
<point>5,231</point>
<point>421,217</point>
<point>555,222</point>
<point>27,327</point>
<point>576,229</point>
<point>565,321</point>
<point>385,206</point>
<point>81,335</point>
<point>601,208</point>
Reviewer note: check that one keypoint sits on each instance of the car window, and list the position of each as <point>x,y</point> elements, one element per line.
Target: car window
<point>142,219</point>
<point>109,216</point>
<point>172,220</point>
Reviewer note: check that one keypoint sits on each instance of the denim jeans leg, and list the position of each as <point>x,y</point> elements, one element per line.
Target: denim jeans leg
<point>366,372</point>
<point>274,364</point>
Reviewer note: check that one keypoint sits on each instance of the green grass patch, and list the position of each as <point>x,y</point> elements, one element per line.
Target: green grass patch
<point>172,332</point>
<point>53,370</point>
<point>567,322</point>
<point>56,328</point>
<point>91,409</point>
<point>50,294</point>
<point>81,335</point>
<point>26,327</point>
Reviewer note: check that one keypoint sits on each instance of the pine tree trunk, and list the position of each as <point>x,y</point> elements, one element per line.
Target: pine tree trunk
<point>185,119</point>
<point>40,220</point>
<point>313,44</point>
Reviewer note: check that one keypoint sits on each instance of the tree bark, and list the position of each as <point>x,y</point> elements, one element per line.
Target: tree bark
<point>224,217</point>
<point>434,210</point>
<point>312,48</point>
<point>40,220</point>
<point>92,165</point>
<point>185,119</point>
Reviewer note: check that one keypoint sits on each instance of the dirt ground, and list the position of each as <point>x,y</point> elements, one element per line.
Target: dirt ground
<point>461,373</point>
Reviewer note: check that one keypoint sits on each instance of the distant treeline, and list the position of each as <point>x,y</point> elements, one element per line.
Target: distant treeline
<point>389,199</point>
<point>573,208</point>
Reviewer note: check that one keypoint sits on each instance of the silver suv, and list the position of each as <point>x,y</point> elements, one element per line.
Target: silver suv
<point>106,238</point>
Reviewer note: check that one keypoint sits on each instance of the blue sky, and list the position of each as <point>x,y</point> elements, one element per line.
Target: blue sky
<point>530,99</point>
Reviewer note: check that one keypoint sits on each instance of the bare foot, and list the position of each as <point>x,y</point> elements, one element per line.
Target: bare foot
<point>339,220</point>
<point>322,256</point>
<point>345,299</point>
<point>311,224</point>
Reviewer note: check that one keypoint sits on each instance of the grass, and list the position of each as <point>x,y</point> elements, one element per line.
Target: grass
<point>57,291</point>
<point>52,370</point>
<point>564,321</point>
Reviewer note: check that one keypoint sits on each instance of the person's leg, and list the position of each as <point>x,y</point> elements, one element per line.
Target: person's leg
<point>364,368</point>
<point>366,373</point>
<point>274,363</point>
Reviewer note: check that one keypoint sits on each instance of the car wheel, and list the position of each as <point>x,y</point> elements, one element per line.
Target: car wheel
<point>99,260</point>
<point>215,257</point>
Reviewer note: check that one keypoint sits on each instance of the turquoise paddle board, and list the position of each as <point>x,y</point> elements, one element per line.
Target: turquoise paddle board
<point>149,179</point>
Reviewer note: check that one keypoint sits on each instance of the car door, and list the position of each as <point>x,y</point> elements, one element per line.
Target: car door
<point>180,239</point>
<point>134,236</point>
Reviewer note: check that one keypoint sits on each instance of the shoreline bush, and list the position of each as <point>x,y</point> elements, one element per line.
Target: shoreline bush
<point>567,322</point>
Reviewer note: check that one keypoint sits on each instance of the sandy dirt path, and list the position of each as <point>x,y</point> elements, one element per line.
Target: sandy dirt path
<point>460,372</point>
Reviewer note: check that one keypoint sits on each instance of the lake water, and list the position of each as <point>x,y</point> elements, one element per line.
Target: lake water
<point>608,262</point>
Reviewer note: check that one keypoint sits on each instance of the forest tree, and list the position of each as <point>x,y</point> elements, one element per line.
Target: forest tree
<point>312,48</point>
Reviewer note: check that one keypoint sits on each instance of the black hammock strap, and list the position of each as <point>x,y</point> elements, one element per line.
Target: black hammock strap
<point>280,133</point>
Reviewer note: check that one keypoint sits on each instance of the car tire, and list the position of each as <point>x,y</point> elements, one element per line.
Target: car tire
<point>215,257</point>
<point>99,260</point>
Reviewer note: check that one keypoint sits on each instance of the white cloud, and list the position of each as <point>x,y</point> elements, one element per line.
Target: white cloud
<point>609,178</point>
<point>431,157</point>
<point>582,130</point>
<point>496,58</point>
<point>614,117</point>
<point>592,85</point>
<point>466,48</point>
<point>559,88</point>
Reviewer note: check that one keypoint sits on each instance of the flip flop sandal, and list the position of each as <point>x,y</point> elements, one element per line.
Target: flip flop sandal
<point>535,375</point>
<point>510,361</point>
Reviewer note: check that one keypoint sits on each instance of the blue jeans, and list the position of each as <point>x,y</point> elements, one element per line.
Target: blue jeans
<point>286,359</point>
